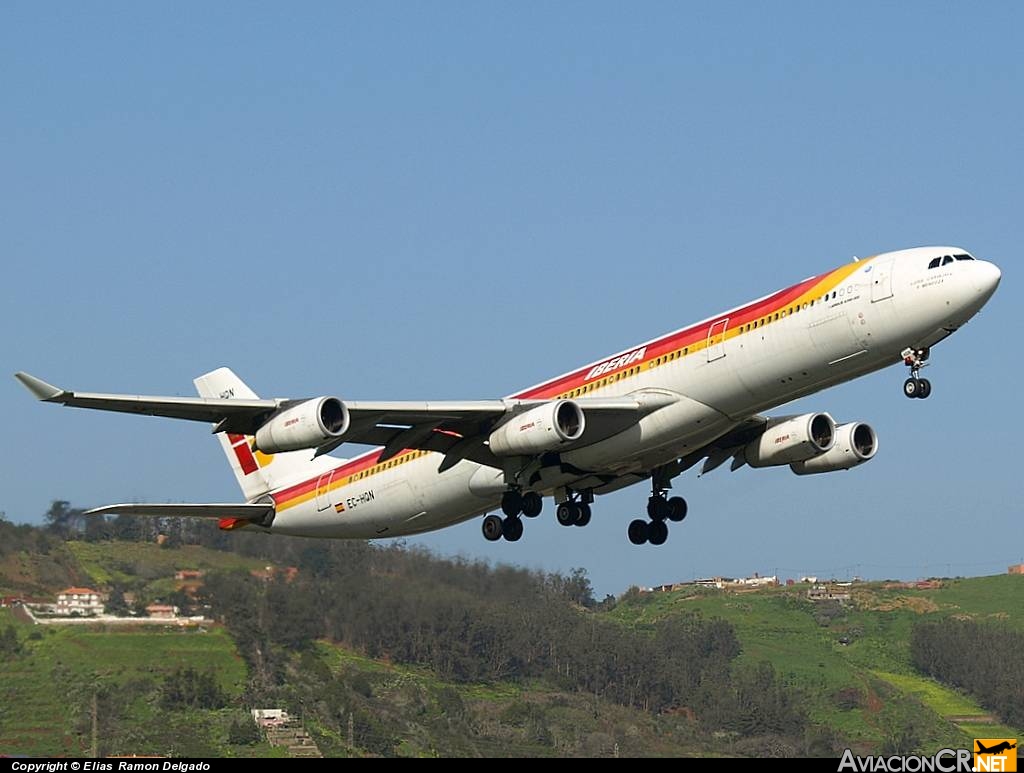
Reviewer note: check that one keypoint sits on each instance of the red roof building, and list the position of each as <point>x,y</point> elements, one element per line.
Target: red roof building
<point>79,601</point>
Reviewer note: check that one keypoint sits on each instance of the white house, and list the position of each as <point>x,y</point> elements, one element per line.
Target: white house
<point>270,717</point>
<point>79,601</point>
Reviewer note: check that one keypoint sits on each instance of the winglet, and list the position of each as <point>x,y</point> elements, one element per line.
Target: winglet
<point>38,387</point>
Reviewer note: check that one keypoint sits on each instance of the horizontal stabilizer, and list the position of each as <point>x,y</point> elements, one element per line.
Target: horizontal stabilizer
<point>253,512</point>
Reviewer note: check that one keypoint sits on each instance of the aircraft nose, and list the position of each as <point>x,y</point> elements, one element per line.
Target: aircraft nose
<point>987,276</point>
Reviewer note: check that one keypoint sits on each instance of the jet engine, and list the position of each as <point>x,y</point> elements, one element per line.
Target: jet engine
<point>544,428</point>
<point>309,424</point>
<point>794,439</point>
<point>855,444</point>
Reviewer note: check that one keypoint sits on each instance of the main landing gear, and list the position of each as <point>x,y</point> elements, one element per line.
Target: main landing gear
<point>513,504</point>
<point>915,386</point>
<point>659,510</point>
<point>495,527</point>
<point>575,511</point>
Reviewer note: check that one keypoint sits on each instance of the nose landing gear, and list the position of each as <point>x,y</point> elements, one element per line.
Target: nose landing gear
<point>915,386</point>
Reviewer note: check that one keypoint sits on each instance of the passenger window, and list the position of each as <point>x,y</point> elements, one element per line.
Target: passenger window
<point>935,263</point>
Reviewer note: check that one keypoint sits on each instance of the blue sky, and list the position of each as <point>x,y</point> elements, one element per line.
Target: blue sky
<point>412,200</point>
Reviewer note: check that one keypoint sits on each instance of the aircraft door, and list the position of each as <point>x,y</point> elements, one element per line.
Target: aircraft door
<point>716,340</point>
<point>323,491</point>
<point>881,281</point>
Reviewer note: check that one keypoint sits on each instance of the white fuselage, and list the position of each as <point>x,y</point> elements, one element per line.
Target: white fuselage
<point>714,374</point>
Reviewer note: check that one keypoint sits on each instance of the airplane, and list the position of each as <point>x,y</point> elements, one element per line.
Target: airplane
<point>647,413</point>
<point>999,747</point>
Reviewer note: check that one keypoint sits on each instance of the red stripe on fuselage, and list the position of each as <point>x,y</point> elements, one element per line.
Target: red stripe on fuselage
<point>671,342</point>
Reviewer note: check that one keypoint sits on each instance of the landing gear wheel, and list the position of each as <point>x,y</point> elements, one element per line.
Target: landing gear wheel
<point>532,504</point>
<point>567,513</point>
<point>915,386</point>
<point>638,531</point>
<point>657,508</point>
<point>677,509</point>
<point>584,517</point>
<point>512,528</point>
<point>492,528</point>
<point>657,532</point>
<point>511,503</point>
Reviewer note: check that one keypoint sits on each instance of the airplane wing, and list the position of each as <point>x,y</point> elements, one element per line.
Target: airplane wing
<point>229,415</point>
<point>244,417</point>
<point>728,445</point>
<point>248,511</point>
<point>442,428</point>
<point>457,429</point>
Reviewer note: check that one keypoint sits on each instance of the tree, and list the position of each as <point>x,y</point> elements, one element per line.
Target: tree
<point>10,647</point>
<point>115,604</point>
<point>186,688</point>
<point>243,732</point>
<point>63,519</point>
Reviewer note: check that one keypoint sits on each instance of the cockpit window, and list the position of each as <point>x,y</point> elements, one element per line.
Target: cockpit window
<point>945,260</point>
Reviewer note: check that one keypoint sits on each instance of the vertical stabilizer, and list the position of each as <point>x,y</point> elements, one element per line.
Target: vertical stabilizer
<point>257,473</point>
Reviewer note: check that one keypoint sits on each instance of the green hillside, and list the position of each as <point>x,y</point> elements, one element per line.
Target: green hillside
<point>49,687</point>
<point>852,663</point>
<point>436,659</point>
<point>47,694</point>
<point>126,563</point>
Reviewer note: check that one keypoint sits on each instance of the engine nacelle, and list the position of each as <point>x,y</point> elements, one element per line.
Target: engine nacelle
<point>544,428</point>
<point>307,425</point>
<point>792,440</point>
<point>855,444</point>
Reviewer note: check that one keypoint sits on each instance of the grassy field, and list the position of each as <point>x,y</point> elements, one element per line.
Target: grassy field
<point>953,706</point>
<point>863,647</point>
<point>128,563</point>
<point>47,690</point>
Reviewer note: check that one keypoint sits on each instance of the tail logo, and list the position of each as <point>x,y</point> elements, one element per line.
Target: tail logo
<point>262,459</point>
<point>249,459</point>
